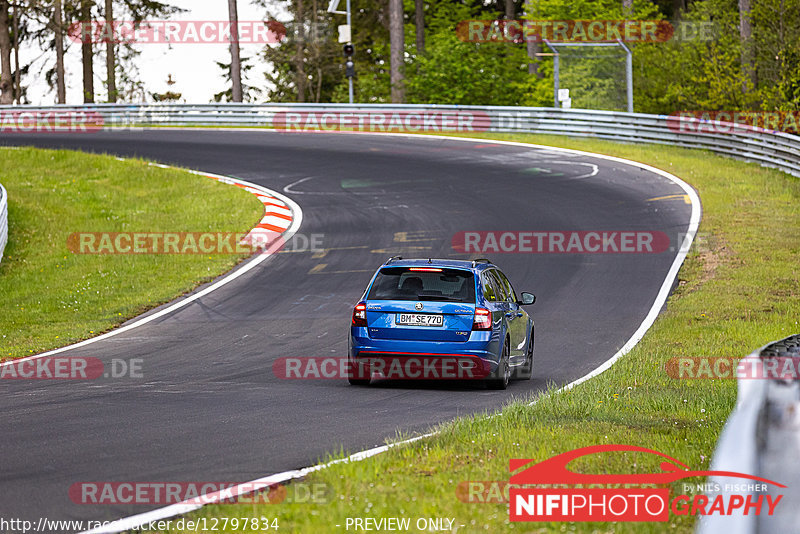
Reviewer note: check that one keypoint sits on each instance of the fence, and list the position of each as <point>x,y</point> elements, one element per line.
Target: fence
<point>769,148</point>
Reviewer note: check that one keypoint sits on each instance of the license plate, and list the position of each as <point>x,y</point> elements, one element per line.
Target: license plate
<point>418,319</point>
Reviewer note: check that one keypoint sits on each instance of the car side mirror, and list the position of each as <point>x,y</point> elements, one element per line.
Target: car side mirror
<point>527,299</point>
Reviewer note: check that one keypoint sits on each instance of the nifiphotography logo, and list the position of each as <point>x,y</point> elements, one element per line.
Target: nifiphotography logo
<point>630,503</point>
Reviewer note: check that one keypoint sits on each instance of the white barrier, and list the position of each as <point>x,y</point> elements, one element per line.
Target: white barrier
<point>761,438</point>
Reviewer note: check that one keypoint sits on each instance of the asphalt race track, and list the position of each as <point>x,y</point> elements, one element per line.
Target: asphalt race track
<point>209,407</point>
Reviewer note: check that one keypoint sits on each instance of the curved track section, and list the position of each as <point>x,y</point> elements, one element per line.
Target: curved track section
<point>209,407</point>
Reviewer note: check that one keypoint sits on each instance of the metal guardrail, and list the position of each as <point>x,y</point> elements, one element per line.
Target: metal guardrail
<point>3,220</point>
<point>769,148</point>
<point>762,438</point>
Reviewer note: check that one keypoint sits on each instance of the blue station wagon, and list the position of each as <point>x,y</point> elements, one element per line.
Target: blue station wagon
<point>441,319</point>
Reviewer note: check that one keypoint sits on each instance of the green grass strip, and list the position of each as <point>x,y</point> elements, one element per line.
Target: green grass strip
<point>50,297</point>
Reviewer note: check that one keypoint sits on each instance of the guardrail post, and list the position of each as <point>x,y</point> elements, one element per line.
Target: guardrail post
<point>628,74</point>
<point>556,72</point>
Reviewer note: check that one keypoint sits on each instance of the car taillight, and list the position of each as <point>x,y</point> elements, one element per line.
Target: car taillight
<point>483,319</point>
<point>360,315</point>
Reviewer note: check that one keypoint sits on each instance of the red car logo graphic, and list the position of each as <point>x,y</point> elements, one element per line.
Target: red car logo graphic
<point>554,470</point>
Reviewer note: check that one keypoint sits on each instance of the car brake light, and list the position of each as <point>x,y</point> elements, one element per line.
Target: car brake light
<point>360,314</point>
<point>483,319</point>
<point>425,269</point>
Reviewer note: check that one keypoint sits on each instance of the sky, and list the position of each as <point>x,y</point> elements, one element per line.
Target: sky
<point>191,66</point>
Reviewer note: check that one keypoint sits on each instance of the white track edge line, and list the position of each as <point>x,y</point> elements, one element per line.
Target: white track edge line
<point>135,521</point>
<point>243,268</point>
<point>694,222</point>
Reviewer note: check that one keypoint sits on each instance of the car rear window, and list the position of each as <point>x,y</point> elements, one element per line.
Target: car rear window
<point>423,283</point>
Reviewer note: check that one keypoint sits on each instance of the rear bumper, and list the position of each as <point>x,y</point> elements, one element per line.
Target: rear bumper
<point>476,358</point>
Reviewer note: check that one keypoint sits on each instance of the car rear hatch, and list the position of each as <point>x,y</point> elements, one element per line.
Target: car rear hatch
<point>421,304</point>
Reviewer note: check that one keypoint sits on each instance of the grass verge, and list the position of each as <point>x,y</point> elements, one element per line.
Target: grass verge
<point>52,297</point>
<point>738,289</point>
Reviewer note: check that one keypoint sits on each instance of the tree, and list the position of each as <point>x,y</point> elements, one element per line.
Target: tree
<point>111,75</point>
<point>397,44</point>
<point>128,85</point>
<point>307,60</point>
<point>249,93</point>
<point>776,45</point>
<point>419,25</point>
<point>676,75</point>
<point>510,9</point>
<point>316,51</point>
<point>789,86</point>
<point>6,80</point>
<point>87,52</point>
<point>137,11</point>
<point>534,48</point>
<point>748,53</point>
<point>17,67</point>
<point>300,59</point>
<point>456,72</point>
<point>236,62</point>
<point>44,22</point>
<point>58,31</point>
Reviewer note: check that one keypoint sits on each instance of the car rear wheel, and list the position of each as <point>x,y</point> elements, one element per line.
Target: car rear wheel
<point>502,375</point>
